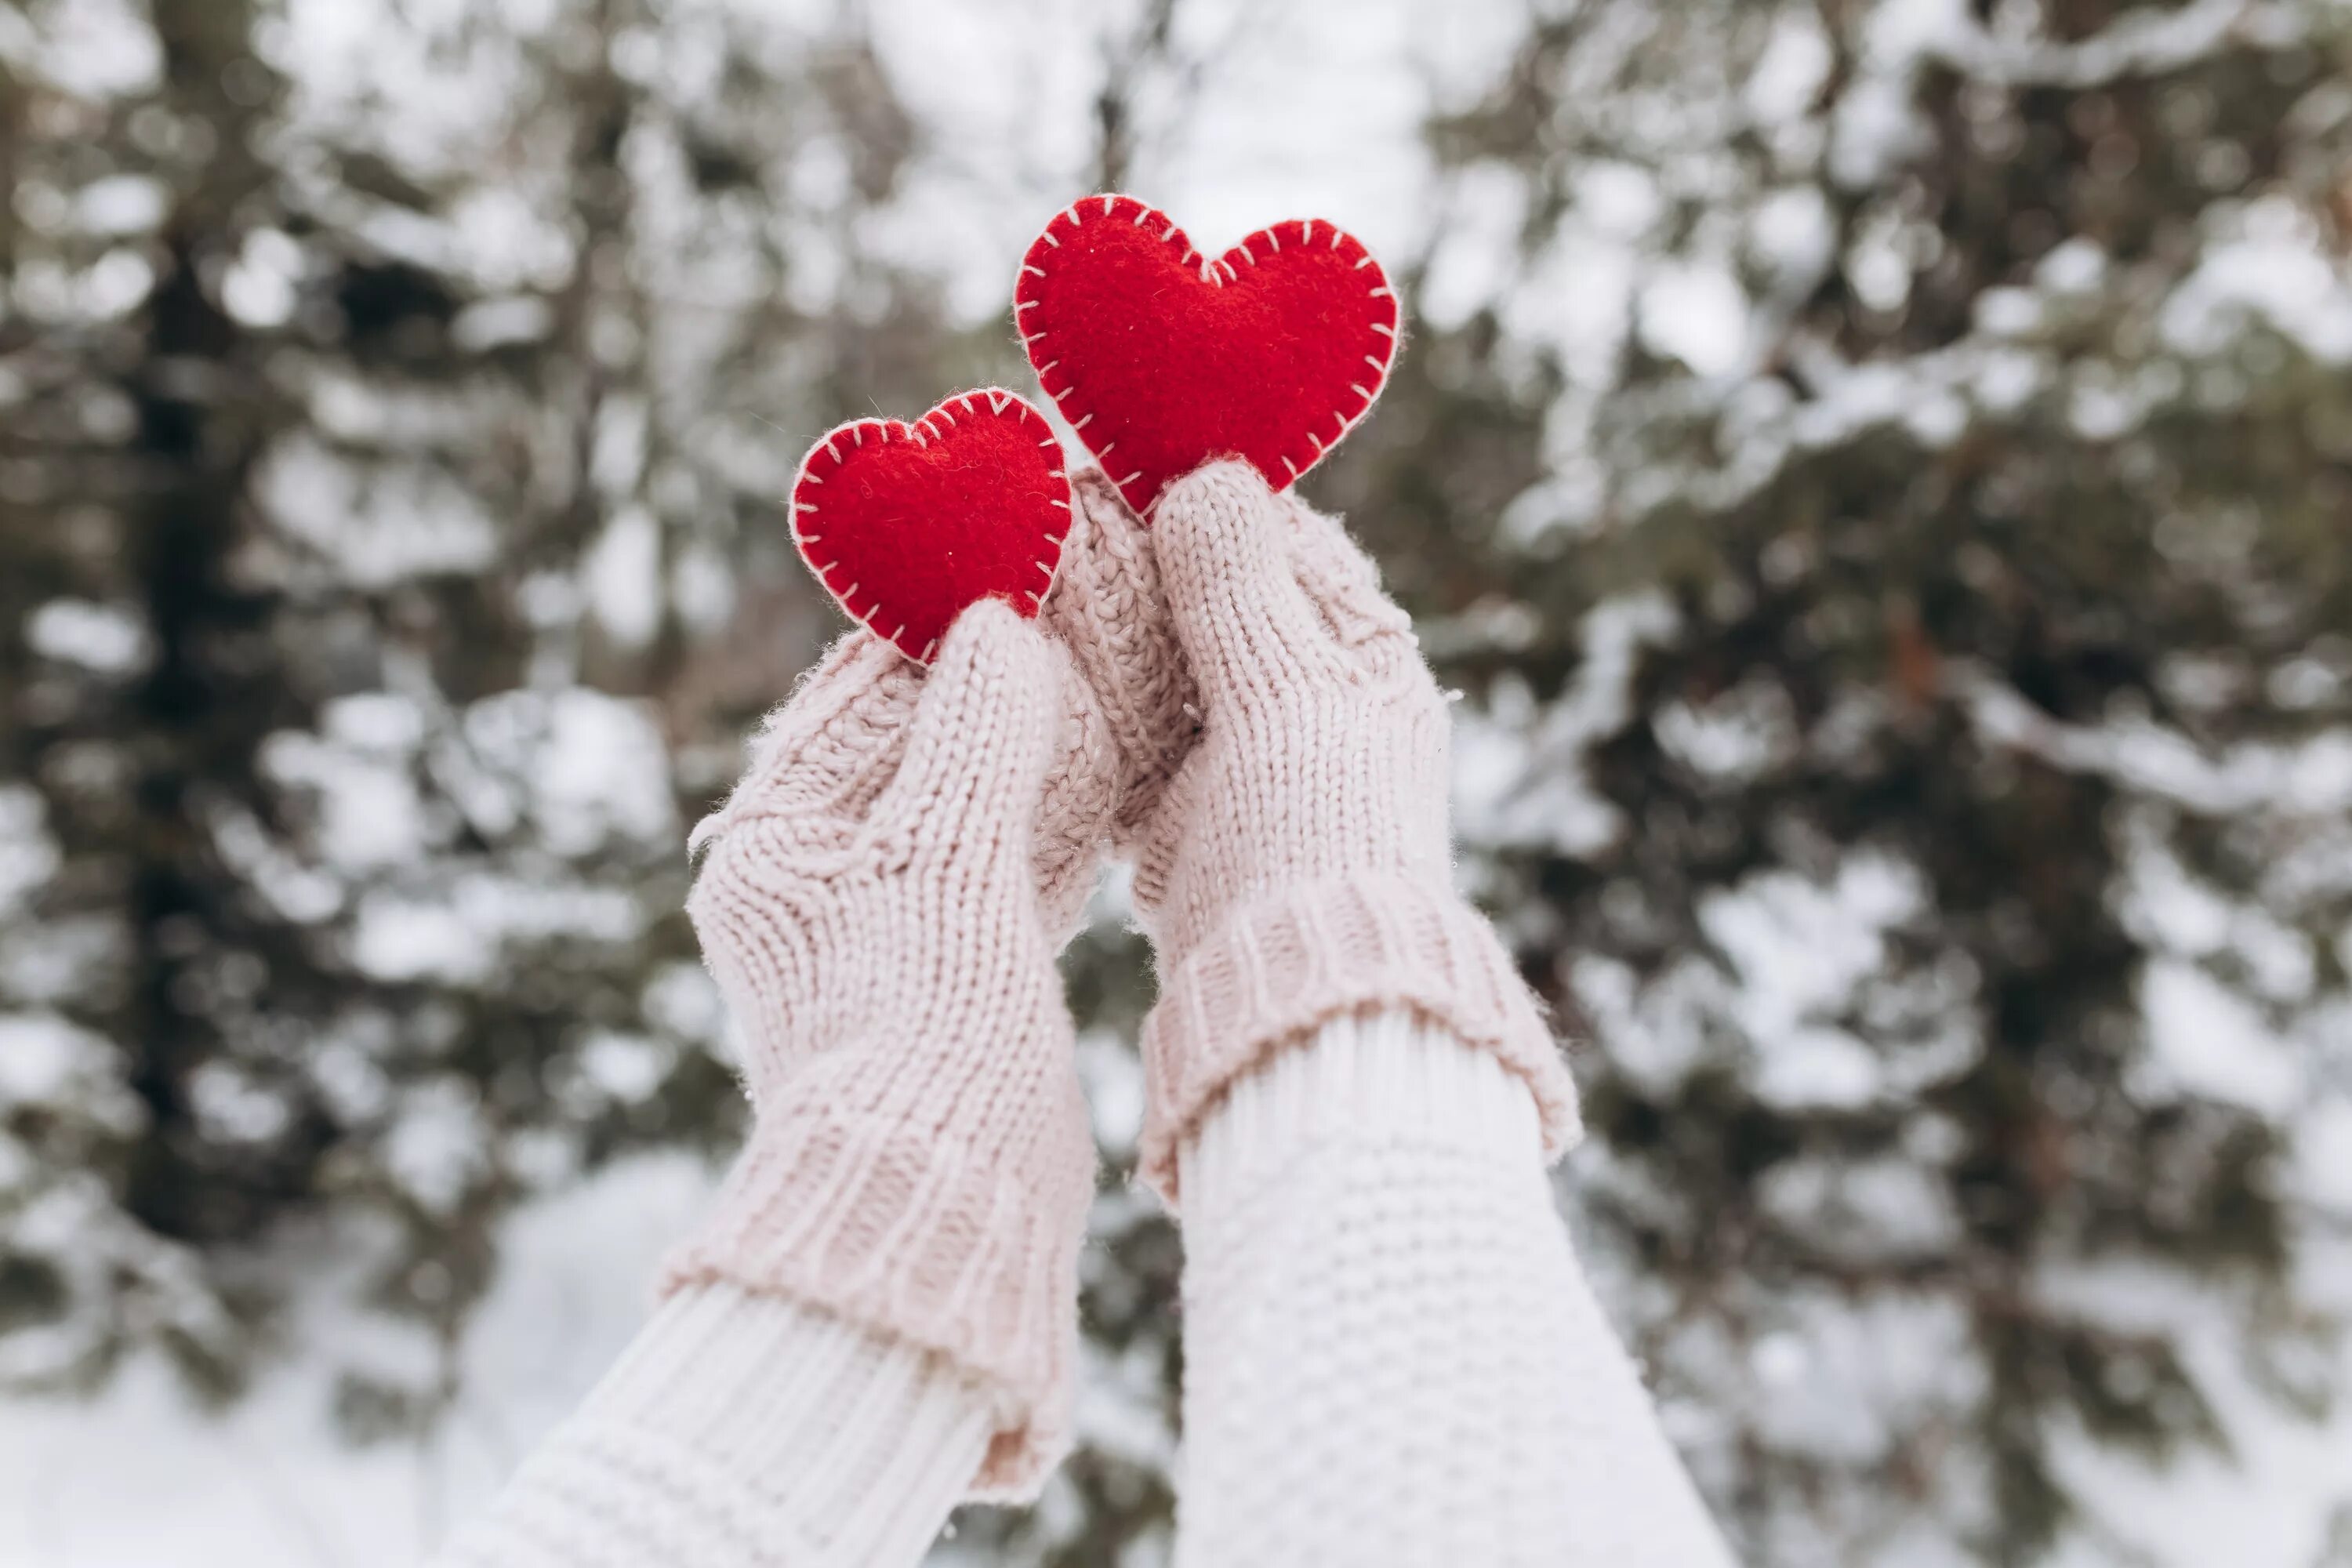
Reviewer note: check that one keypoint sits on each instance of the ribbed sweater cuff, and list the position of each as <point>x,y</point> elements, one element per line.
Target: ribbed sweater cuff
<point>1281,966</point>
<point>741,1431</point>
<point>909,1232</point>
<point>1380,1079</point>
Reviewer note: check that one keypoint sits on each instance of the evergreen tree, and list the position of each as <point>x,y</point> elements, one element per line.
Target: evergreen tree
<point>378,483</point>
<point>1895,527</point>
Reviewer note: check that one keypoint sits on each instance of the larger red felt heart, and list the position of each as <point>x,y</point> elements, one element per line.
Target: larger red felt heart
<point>1161,360</point>
<point>908,524</point>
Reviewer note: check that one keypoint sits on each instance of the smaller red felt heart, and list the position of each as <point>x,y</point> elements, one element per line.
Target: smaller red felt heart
<point>908,524</point>
<point>1161,360</point>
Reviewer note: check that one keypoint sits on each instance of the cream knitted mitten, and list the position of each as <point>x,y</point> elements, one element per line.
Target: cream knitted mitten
<point>1299,867</point>
<point>881,904</point>
<point>1106,607</point>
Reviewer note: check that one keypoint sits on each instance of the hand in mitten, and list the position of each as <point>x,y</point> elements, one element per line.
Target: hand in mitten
<point>1300,866</point>
<point>1106,608</point>
<point>881,903</point>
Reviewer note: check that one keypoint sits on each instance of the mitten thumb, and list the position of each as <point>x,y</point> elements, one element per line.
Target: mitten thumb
<point>980,742</point>
<point>1248,630</point>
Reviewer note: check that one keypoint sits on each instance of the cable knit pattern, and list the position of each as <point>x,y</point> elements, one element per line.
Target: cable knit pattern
<point>1392,1359</point>
<point>1299,867</point>
<point>743,1431</point>
<point>1106,607</point>
<point>871,907</point>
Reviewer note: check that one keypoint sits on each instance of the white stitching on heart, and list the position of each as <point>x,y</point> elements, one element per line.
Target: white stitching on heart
<point>1003,404</point>
<point>1217,273</point>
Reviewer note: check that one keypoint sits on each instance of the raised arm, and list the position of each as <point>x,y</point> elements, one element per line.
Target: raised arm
<point>1390,1356</point>
<point>878,1320</point>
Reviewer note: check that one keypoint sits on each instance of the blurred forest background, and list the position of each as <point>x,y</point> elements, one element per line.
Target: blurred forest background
<point>1880,470</point>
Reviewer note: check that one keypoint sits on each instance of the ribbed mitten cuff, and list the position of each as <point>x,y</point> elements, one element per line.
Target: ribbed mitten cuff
<point>1277,968</point>
<point>904,1229</point>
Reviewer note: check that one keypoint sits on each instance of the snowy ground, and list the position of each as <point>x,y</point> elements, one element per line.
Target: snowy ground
<point>270,1482</point>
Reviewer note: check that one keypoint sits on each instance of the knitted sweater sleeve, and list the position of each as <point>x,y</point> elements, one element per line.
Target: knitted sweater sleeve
<point>1392,1357</point>
<point>744,1431</point>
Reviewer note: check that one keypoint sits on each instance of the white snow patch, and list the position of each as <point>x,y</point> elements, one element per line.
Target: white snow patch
<point>2288,285</point>
<point>45,1060</point>
<point>1477,253</point>
<point>104,639</point>
<point>2210,1042</point>
<point>2323,1154</point>
<point>622,576</point>
<point>438,1142</point>
<point>142,1475</point>
<point>1695,312</point>
<point>456,936</point>
<point>379,525</point>
<point>1818,1068</point>
<point>370,814</point>
<point>1113,1074</point>
<point>28,856</point>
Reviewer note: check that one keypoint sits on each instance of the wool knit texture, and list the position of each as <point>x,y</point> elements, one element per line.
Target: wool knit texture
<point>1391,1360</point>
<point>879,903</point>
<point>1300,866</point>
<point>744,1431</point>
<point>1107,609</point>
<point>1390,1357</point>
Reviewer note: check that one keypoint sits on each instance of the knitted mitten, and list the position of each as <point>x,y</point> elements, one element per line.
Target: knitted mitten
<point>1300,865</point>
<point>1106,607</point>
<point>875,907</point>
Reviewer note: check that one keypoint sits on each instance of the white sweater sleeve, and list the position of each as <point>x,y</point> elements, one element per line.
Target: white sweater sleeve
<point>743,1431</point>
<point>1390,1356</point>
<point>1392,1359</point>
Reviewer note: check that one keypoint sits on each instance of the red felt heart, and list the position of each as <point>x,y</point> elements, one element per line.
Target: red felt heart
<point>1161,360</point>
<point>907,524</point>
